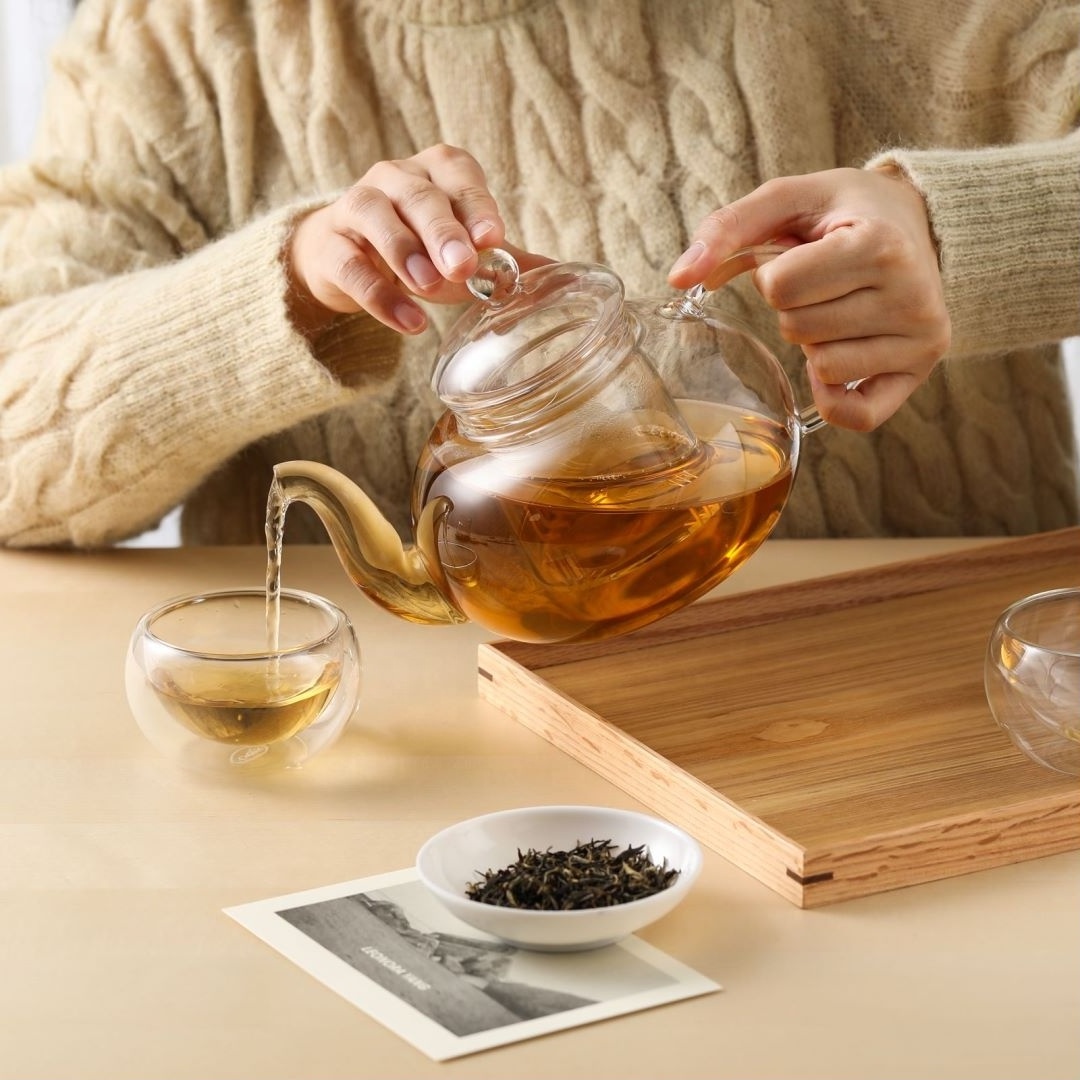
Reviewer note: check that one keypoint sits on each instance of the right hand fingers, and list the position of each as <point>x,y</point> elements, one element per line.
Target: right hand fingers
<point>407,226</point>
<point>424,215</point>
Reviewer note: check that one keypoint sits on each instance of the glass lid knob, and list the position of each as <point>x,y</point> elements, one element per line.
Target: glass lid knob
<point>496,277</point>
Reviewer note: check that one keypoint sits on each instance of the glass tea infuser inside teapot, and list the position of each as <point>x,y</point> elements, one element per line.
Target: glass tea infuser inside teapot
<point>600,463</point>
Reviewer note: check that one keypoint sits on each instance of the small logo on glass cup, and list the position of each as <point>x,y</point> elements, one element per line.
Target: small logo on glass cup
<point>247,754</point>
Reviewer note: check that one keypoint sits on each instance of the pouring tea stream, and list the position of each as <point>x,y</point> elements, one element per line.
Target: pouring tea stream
<point>600,463</point>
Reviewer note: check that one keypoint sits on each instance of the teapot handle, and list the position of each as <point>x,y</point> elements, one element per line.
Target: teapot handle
<point>749,258</point>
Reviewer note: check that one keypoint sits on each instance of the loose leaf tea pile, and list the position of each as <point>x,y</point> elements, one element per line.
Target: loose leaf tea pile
<point>591,875</point>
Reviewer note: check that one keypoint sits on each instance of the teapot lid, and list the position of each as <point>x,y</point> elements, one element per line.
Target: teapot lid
<point>525,329</point>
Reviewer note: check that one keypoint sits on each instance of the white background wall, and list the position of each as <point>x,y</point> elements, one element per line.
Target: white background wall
<point>28,29</point>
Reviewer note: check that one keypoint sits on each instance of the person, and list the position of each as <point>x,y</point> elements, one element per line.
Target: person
<point>244,225</point>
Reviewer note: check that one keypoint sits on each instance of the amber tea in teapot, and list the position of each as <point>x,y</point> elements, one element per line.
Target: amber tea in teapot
<point>558,560</point>
<point>600,463</point>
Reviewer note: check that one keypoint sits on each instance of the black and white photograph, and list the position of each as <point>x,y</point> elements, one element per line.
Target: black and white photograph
<point>388,947</point>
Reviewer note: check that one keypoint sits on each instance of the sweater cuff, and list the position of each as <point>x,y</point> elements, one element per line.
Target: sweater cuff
<point>1005,219</point>
<point>221,319</point>
<point>357,350</point>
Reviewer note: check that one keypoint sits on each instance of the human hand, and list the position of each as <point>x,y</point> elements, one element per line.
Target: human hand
<point>406,228</point>
<point>858,289</point>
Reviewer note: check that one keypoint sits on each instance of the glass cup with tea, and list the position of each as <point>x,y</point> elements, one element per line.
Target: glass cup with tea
<point>1032,676</point>
<point>229,682</point>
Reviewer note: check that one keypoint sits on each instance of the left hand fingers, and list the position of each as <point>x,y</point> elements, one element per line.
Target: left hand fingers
<point>862,407</point>
<point>841,262</point>
<point>859,335</point>
<point>876,278</point>
<point>858,360</point>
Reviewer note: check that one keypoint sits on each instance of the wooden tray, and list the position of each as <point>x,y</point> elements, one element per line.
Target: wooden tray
<point>830,737</point>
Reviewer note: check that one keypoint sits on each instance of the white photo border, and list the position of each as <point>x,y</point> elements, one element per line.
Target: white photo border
<point>263,918</point>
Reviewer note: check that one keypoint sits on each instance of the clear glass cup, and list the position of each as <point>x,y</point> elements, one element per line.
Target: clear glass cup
<point>1032,677</point>
<point>213,690</point>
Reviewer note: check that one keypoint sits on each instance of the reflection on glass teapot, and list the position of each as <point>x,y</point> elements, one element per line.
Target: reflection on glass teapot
<point>600,463</point>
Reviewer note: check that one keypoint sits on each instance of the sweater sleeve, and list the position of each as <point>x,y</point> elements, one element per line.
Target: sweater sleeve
<point>1007,222</point>
<point>142,342</point>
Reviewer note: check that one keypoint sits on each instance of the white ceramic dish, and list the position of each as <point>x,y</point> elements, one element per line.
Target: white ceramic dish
<point>462,853</point>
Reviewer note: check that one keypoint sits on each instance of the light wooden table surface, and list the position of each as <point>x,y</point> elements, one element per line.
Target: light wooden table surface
<point>116,960</point>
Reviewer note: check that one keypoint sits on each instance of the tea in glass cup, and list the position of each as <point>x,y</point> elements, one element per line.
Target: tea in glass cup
<point>1032,677</point>
<point>224,682</point>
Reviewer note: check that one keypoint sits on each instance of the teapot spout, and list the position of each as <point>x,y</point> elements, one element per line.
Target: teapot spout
<point>394,575</point>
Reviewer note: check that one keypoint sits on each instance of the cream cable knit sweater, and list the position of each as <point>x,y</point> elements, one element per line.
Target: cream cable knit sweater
<point>146,358</point>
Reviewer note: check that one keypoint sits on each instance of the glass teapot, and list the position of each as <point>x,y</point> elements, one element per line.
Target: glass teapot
<point>600,463</point>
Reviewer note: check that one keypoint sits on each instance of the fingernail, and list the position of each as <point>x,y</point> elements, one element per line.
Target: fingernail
<point>409,317</point>
<point>480,229</point>
<point>422,270</point>
<point>688,257</point>
<point>454,253</point>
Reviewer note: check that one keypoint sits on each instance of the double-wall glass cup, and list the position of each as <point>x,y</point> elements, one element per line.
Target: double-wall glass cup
<point>222,683</point>
<point>1032,676</point>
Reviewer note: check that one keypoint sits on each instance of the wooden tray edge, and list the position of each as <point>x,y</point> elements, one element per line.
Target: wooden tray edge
<point>1023,830</point>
